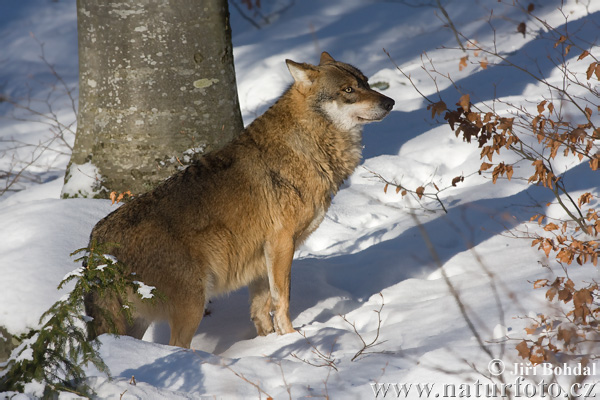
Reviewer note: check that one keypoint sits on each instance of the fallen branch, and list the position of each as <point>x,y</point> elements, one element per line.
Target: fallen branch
<point>374,342</point>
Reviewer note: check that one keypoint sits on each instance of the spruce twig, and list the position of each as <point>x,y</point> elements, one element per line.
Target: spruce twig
<point>56,354</point>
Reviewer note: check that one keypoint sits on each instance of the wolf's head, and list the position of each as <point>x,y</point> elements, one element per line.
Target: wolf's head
<point>340,92</point>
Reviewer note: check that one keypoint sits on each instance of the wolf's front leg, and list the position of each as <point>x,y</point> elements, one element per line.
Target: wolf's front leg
<point>278,255</point>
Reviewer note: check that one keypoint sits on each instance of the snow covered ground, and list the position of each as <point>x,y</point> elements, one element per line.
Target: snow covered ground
<point>369,254</point>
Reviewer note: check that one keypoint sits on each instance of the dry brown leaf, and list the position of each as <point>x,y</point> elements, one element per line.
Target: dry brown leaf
<point>585,199</point>
<point>583,55</point>
<point>457,179</point>
<point>465,102</point>
<point>463,63</point>
<point>537,355</point>
<point>568,49</point>
<point>485,166</point>
<point>531,330</point>
<point>523,350</point>
<point>420,191</point>
<point>437,108</point>
<point>541,106</point>
<point>509,171</point>
<point>590,71</point>
<point>566,334</point>
<point>483,63</point>
<point>540,283</point>
<point>522,28</point>
<point>560,40</point>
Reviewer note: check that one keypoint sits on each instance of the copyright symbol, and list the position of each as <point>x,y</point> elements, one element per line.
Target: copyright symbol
<point>496,367</point>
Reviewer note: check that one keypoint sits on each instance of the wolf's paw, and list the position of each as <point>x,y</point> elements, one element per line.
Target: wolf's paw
<point>283,325</point>
<point>264,331</point>
<point>263,324</point>
<point>282,332</point>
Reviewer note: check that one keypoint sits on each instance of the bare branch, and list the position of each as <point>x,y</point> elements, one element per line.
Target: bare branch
<point>375,342</point>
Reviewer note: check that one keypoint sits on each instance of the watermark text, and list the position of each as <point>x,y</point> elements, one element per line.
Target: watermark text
<point>517,389</point>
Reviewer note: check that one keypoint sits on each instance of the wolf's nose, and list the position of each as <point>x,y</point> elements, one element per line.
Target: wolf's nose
<point>388,104</point>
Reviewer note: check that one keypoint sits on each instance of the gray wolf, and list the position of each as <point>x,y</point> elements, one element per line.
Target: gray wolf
<point>236,216</point>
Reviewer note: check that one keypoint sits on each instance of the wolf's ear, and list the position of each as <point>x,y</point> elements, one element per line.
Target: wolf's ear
<point>326,58</point>
<point>303,74</point>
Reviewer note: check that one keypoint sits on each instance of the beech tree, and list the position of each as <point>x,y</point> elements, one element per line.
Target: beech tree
<point>157,87</point>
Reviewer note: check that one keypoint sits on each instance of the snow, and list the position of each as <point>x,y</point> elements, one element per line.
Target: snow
<point>369,259</point>
<point>145,291</point>
<point>82,181</point>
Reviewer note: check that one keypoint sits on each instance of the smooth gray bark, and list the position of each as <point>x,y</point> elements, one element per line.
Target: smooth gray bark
<point>157,86</point>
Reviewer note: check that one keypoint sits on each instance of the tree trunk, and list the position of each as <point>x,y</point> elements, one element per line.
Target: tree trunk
<point>156,87</point>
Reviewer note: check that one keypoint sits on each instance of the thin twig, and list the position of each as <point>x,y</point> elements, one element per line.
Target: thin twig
<point>366,346</point>
<point>451,24</point>
<point>242,377</point>
<point>406,76</point>
<point>322,360</point>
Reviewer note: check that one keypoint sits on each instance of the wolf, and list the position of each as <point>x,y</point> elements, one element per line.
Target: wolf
<point>235,217</point>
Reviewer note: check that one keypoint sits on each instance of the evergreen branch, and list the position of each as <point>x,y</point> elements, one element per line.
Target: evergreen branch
<point>57,353</point>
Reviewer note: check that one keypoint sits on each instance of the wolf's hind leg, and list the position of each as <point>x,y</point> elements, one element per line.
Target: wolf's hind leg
<point>183,324</point>
<point>139,327</point>
<point>185,313</point>
<point>260,306</point>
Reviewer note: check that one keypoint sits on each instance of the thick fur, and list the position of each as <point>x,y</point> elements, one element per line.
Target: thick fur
<point>236,216</point>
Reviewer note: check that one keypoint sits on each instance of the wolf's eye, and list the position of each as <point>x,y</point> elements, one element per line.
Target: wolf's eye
<point>349,89</point>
